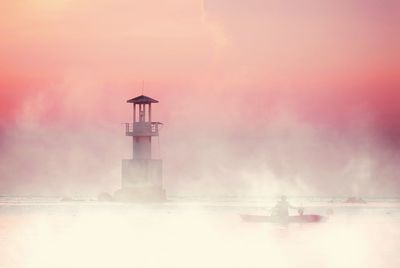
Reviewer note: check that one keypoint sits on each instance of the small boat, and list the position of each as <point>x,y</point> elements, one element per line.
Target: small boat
<point>289,219</point>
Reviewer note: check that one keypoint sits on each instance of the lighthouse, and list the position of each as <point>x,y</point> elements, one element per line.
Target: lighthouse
<point>141,174</point>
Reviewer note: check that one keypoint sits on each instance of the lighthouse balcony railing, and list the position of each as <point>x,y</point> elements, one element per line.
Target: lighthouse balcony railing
<point>142,129</point>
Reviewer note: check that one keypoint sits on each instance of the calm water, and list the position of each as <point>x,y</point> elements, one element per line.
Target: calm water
<point>37,232</point>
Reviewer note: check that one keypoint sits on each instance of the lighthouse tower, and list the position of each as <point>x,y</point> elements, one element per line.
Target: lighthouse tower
<point>141,175</point>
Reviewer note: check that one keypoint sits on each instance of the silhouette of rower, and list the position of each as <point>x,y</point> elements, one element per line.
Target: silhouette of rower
<point>281,209</point>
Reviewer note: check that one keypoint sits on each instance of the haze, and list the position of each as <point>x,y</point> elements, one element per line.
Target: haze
<point>256,97</point>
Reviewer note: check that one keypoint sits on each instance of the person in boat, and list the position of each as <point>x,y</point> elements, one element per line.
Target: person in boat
<point>281,209</point>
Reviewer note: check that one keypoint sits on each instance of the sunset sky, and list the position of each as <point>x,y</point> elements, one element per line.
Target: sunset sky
<point>256,96</point>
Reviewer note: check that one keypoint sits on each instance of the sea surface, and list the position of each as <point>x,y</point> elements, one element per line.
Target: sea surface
<point>196,232</point>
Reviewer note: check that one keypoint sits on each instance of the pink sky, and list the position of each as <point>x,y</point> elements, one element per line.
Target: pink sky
<point>227,74</point>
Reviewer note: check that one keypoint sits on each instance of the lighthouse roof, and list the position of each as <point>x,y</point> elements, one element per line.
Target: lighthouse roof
<point>142,99</point>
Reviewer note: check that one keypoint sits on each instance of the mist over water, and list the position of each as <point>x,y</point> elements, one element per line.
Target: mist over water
<point>188,233</point>
<point>258,98</point>
<point>277,152</point>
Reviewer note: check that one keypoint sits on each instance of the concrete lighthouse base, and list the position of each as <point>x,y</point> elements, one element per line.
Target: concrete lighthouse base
<point>141,181</point>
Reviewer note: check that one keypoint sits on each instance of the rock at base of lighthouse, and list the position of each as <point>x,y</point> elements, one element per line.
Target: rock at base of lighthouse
<point>140,194</point>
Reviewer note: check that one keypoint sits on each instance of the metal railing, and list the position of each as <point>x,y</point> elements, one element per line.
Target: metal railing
<point>142,128</point>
